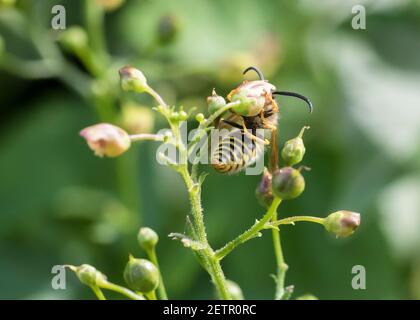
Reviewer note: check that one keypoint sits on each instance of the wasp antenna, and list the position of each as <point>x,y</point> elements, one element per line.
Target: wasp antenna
<point>258,71</point>
<point>296,95</point>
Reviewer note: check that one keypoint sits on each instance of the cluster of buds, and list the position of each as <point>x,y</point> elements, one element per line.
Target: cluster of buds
<point>288,183</point>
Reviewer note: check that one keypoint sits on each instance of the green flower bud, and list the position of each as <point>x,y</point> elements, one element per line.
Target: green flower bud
<point>141,275</point>
<point>88,275</point>
<point>287,183</point>
<point>137,118</point>
<point>234,290</point>
<point>342,223</point>
<point>253,96</point>
<point>294,149</point>
<point>200,117</point>
<point>215,102</point>
<point>263,192</point>
<point>147,238</point>
<point>174,116</point>
<point>74,39</point>
<point>133,79</point>
<point>183,116</point>
<point>168,29</point>
<point>106,139</point>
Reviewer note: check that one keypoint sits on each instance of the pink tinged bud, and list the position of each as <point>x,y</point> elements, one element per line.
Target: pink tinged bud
<point>106,139</point>
<point>133,79</point>
<point>342,223</point>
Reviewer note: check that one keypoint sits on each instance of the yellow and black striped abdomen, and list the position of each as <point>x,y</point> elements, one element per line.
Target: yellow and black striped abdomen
<point>235,151</point>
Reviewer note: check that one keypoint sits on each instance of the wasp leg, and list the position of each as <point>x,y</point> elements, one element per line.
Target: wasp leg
<point>252,136</point>
<point>233,124</point>
<point>273,164</point>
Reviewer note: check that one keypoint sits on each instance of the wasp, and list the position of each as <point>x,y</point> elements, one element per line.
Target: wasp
<point>241,146</point>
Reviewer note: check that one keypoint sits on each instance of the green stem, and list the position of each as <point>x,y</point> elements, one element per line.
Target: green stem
<point>213,266</point>
<point>251,232</point>
<point>151,295</point>
<point>94,15</point>
<point>124,291</point>
<point>292,220</point>
<point>281,264</point>
<point>98,292</point>
<point>146,136</point>
<point>161,289</point>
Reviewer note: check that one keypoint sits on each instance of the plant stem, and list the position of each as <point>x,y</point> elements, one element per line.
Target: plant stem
<point>98,292</point>
<point>146,136</point>
<point>281,265</point>
<point>292,220</point>
<point>251,232</point>
<point>151,295</point>
<point>213,266</point>
<point>161,289</point>
<point>124,291</point>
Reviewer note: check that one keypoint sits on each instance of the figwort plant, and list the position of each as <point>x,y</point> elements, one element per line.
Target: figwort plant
<point>277,185</point>
<point>97,84</point>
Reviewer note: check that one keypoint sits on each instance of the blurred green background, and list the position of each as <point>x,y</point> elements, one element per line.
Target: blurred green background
<point>60,204</point>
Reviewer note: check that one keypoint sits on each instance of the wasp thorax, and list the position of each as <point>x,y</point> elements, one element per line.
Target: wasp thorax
<point>263,192</point>
<point>288,183</point>
<point>252,96</point>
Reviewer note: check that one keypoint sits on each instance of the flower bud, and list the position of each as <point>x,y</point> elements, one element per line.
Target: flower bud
<point>183,116</point>
<point>106,139</point>
<point>168,29</point>
<point>263,192</point>
<point>136,118</point>
<point>234,290</point>
<point>342,223</point>
<point>215,102</point>
<point>141,275</point>
<point>199,117</point>
<point>287,183</point>
<point>294,149</point>
<point>133,79</point>
<point>252,97</point>
<point>147,238</point>
<point>88,275</point>
<point>74,39</point>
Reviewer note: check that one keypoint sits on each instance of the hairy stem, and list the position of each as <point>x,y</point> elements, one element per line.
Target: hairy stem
<point>251,232</point>
<point>281,265</point>
<point>213,266</point>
